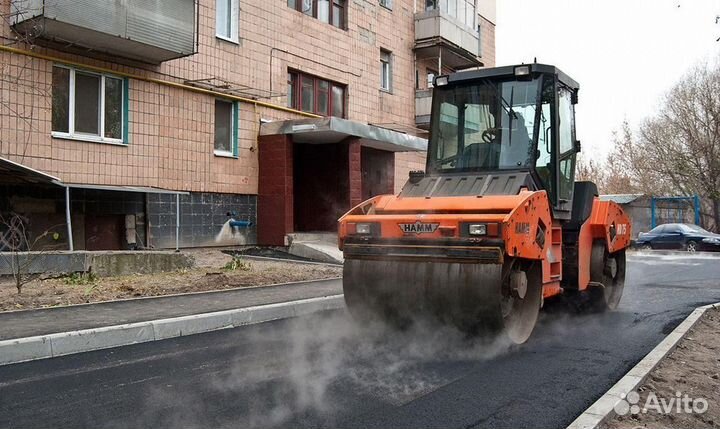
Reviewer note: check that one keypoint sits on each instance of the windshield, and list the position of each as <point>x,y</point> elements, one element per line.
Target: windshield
<point>484,126</point>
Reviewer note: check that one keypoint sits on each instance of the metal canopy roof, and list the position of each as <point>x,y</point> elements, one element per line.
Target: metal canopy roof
<point>145,189</point>
<point>334,130</point>
<point>621,198</point>
<point>13,173</point>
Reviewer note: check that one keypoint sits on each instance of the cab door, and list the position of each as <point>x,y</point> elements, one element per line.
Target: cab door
<point>567,148</point>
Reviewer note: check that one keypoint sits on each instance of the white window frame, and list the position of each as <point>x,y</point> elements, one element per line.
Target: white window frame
<point>234,21</point>
<point>71,134</point>
<point>233,137</point>
<point>386,73</point>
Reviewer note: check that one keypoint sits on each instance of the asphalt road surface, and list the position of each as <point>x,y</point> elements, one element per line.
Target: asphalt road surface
<point>325,371</point>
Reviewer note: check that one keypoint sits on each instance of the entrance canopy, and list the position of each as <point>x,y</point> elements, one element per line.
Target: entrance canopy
<point>334,130</point>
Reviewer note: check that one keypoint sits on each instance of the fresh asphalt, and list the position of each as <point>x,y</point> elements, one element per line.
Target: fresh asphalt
<point>325,371</point>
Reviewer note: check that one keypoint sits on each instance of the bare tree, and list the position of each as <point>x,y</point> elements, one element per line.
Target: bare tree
<point>676,151</point>
<point>591,170</point>
<point>19,253</point>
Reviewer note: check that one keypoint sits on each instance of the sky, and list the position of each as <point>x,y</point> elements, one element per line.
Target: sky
<point>625,54</point>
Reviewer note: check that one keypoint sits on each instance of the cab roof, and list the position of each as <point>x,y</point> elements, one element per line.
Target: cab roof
<point>509,71</point>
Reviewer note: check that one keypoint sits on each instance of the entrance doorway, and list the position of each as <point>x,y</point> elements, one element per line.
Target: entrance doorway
<point>321,187</point>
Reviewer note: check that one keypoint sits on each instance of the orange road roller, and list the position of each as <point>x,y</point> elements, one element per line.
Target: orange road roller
<point>496,223</point>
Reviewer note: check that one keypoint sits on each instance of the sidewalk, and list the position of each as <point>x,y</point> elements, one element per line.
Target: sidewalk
<point>30,323</point>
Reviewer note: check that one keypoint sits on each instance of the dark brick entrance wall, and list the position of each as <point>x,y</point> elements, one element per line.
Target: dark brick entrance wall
<point>378,172</point>
<point>275,189</point>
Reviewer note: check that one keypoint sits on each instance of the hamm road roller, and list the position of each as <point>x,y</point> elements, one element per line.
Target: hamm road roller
<point>496,223</point>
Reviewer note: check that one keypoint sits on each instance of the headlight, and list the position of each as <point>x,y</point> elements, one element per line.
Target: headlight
<point>711,240</point>
<point>477,229</point>
<point>362,228</point>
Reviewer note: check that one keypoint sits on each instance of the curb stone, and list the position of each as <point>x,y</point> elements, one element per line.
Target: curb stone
<point>65,343</point>
<point>604,408</point>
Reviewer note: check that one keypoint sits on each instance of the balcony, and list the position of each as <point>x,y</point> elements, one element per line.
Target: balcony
<point>442,36</point>
<point>423,102</point>
<point>151,31</point>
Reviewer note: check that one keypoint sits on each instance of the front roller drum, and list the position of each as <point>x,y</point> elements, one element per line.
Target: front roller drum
<point>476,298</point>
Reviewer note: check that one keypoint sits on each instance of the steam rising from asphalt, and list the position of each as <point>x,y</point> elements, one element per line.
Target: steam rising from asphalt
<point>312,368</point>
<point>334,352</point>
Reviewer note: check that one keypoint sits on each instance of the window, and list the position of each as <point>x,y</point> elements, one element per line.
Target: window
<point>474,131</point>
<point>226,19</point>
<point>387,4</point>
<point>328,11</point>
<point>566,134</point>
<point>88,106</point>
<point>385,70</point>
<point>315,95</point>
<point>226,132</point>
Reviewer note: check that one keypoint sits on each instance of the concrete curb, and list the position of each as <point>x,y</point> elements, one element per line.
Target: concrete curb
<point>604,408</point>
<point>65,343</point>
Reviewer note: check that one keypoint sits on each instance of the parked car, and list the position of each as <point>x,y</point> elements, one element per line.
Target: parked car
<point>682,236</point>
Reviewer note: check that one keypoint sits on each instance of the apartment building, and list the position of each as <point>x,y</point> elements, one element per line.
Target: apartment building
<point>164,123</point>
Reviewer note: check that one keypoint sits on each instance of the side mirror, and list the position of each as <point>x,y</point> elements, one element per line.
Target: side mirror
<point>578,146</point>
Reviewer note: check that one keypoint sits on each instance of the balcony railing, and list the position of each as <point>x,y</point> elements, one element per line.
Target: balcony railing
<point>151,31</point>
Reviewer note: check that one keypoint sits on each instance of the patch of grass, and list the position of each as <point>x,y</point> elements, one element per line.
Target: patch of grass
<point>81,279</point>
<point>237,263</point>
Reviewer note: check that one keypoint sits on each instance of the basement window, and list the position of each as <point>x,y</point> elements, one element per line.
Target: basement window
<point>226,130</point>
<point>89,106</point>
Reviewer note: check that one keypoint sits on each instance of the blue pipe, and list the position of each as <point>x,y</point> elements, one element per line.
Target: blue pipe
<point>240,223</point>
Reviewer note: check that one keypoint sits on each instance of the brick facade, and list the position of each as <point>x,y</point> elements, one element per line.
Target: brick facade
<point>171,129</point>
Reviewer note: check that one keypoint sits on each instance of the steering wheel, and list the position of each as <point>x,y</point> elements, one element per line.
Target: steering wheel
<point>489,135</point>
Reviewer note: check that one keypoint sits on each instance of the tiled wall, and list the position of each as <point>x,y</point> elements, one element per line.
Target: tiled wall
<point>171,130</point>
<point>203,219</point>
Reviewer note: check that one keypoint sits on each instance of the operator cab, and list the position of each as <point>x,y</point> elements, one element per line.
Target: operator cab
<point>511,120</point>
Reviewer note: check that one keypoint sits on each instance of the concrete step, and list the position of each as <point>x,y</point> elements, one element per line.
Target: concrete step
<point>328,237</point>
<point>323,251</point>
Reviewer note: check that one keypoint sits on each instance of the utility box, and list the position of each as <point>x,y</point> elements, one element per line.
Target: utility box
<point>150,31</point>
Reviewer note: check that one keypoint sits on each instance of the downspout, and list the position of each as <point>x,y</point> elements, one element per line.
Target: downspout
<point>68,219</point>
<point>177,222</point>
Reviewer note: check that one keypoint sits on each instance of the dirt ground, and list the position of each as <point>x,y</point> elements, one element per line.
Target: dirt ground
<point>693,368</point>
<point>214,271</point>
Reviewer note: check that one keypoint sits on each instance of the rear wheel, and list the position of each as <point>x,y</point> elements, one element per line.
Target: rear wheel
<point>646,247</point>
<point>607,277</point>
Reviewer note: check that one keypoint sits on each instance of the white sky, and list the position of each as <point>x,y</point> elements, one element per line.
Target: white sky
<point>625,54</point>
